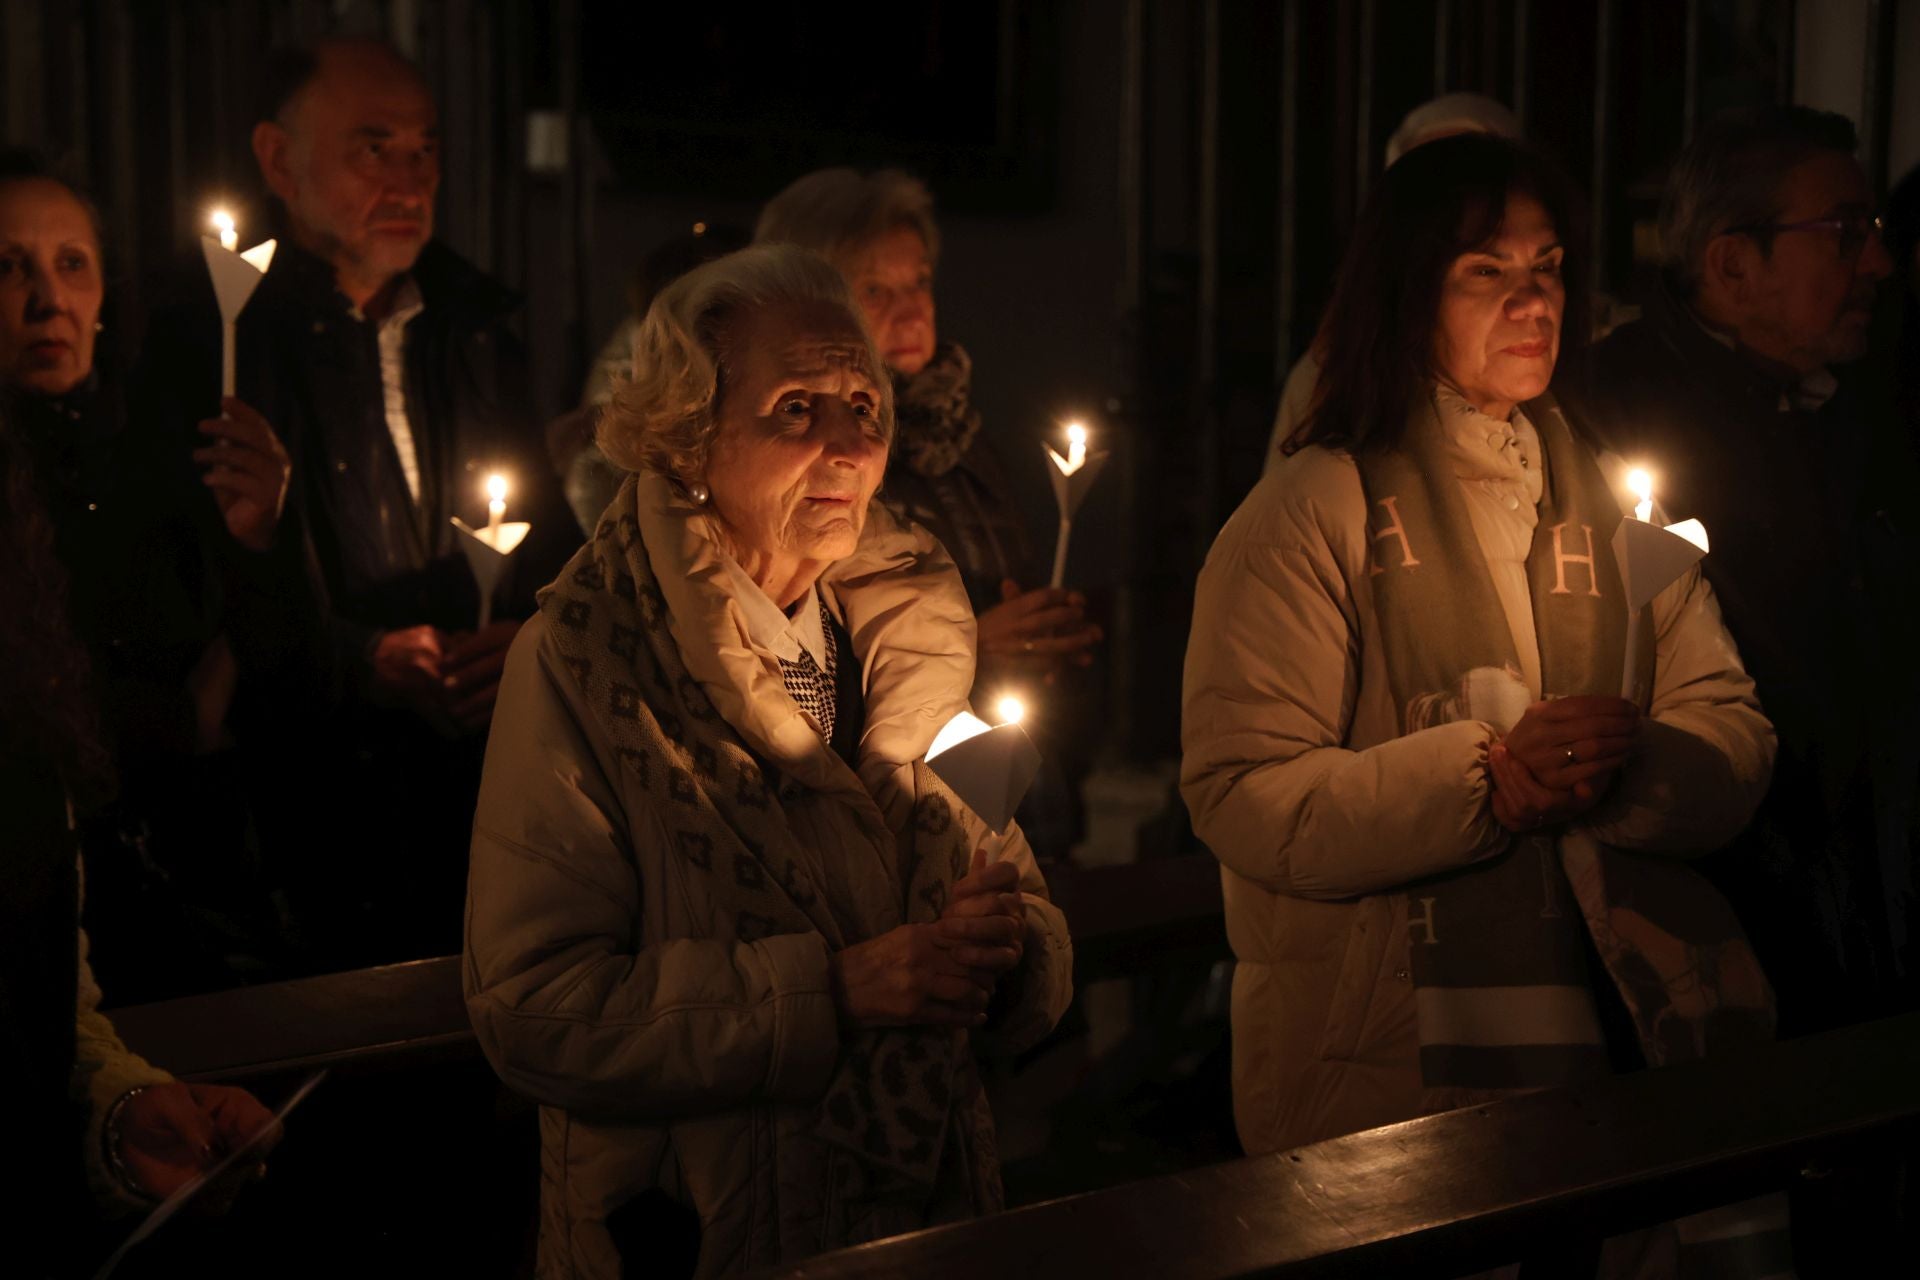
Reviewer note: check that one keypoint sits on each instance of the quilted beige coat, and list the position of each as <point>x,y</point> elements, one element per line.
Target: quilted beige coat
<point>665,1058</point>
<point>1319,808</point>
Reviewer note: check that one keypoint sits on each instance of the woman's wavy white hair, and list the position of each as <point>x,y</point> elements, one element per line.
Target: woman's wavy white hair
<point>666,416</point>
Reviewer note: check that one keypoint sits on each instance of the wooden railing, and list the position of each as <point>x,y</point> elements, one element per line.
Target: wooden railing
<point>1460,1191</point>
<point>1121,917</point>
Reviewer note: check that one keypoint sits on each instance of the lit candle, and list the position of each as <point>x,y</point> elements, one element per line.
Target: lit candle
<point>988,766</point>
<point>1641,482</point>
<point>496,506</point>
<point>235,276</point>
<point>1650,559</point>
<point>1067,493</point>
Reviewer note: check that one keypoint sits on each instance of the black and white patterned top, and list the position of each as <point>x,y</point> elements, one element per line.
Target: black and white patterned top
<point>815,690</point>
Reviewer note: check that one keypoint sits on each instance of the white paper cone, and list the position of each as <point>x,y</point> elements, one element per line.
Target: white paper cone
<point>1651,559</point>
<point>990,772</point>
<point>487,551</point>
<point>235,277</point>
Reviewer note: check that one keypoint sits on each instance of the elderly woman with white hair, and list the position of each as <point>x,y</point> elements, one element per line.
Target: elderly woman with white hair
<point>723,922</point>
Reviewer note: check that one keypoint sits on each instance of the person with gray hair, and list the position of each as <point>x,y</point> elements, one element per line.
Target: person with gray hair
<point>723,922</point>
<point>945,473</point>
<point>1739,392</point>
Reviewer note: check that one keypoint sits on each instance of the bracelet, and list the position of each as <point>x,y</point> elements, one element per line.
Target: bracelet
<point>110,1140</point>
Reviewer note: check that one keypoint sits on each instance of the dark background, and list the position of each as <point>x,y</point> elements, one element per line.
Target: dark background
<point>1143,201</point>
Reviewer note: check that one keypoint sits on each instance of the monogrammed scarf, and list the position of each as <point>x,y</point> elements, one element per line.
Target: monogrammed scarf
<point>891,1140</point>
<point>1498,962</point>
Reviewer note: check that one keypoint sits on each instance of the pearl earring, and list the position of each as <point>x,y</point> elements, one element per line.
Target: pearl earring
<point>699,493</point>
<point>99,326</point>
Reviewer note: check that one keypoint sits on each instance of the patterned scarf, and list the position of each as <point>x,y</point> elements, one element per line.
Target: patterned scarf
<point>1499,969</point>
<point>881,1148</point>
<point>934,411</point>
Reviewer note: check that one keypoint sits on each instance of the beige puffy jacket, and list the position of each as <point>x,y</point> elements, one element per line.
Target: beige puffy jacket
<point>1318,808</point>
<point>665,1058</point>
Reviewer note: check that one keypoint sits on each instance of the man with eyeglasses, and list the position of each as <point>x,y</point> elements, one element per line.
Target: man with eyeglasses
<point>1742,389</point>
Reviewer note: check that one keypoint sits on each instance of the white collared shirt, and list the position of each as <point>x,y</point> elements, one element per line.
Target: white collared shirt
<point>392,334</point>
<point>769,626</point>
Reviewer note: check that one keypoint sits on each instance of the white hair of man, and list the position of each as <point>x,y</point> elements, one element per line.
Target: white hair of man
<point>666,416</point>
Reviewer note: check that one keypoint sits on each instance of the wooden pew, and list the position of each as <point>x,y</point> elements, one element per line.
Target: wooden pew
<point>1461,1191</point>
<point>1122,917</point>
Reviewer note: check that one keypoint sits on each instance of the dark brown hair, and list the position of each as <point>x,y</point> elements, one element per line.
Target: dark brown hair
<point>1376,344</point>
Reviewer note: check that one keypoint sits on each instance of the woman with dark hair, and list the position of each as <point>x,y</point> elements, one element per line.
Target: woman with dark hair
<point>95,1130</point>
<point>1446,838</point>
<point>163,589</point>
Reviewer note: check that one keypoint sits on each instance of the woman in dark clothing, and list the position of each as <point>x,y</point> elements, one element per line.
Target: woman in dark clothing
<point>944,473</point>
<point>98,1132</point>
<point>162,598</point>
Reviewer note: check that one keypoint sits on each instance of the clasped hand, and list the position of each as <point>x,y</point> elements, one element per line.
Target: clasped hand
<point>451,680</point>
<point>941,974</point>
<point>1558,761</point>
<point>1030,633</point>
<point>168,1134</point>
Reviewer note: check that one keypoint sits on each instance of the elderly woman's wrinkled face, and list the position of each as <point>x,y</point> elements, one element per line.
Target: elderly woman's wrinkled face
<point>893,283</point>
<point>800,450</point>
<point>1500,309</point>
<point>50,287</point>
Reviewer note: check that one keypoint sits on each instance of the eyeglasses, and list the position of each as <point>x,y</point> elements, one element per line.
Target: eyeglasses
<point>1850,231</point>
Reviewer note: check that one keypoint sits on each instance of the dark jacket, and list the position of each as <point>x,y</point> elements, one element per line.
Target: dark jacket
<point>367,812</point>
<point>380,560</point>
<point>1815,521</point>
<point>152,578</point>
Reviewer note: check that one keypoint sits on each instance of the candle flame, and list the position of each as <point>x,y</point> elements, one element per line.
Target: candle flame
<point>1010,710</point>
<point>1640,480</point>
<point>229,232</point>
<point>496,488</point>
<point>1076,450</point>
